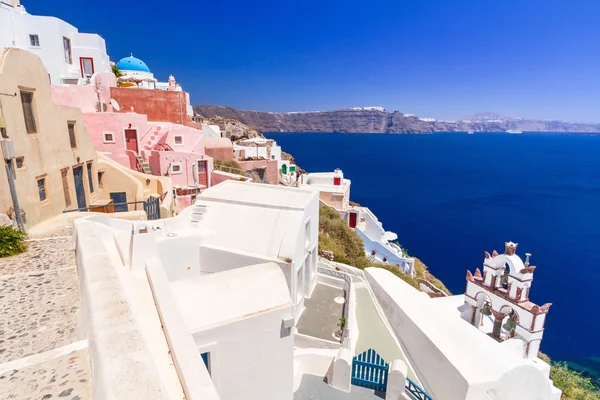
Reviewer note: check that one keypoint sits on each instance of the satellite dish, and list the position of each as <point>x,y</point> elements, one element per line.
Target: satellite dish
<point>115,105</point>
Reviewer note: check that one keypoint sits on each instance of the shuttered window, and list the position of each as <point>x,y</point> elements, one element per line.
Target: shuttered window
<point>28,111</point>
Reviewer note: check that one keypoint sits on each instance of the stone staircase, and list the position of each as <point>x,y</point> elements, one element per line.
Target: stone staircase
<point>144,164</point>
<point>197,214</point>
<point>152,138</point>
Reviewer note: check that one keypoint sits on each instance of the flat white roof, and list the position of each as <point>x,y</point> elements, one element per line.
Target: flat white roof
<point>257,194</point>
<point>218,299</point>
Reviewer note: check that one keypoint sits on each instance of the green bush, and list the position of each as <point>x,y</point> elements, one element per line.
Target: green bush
<point>12,241</point>
<point>575,385</point>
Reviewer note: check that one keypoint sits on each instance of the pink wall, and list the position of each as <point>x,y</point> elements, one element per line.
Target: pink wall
<point>272,169</point>
<point>160,162</point>
<point>85,97</point>
<point>219,148</point>
<point>193,139</point>
<point>115,123</point>
<point>218,177</point>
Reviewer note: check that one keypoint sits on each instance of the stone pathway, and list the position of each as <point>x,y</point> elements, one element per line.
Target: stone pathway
<point>39,303</point>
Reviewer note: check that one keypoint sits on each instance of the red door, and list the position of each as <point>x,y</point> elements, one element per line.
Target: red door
<point>337,181</point>
<point>352,223</point>
<point>202,173</point>
<point>131,140</point>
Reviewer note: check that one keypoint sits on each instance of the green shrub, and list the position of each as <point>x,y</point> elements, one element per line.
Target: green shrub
<point>12,241</point>
<point>575,385</point>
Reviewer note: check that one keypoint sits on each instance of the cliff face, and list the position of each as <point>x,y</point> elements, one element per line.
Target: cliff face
<point>378,121</point>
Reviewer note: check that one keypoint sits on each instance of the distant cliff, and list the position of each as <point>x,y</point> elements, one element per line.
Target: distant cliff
<point>378,120</point>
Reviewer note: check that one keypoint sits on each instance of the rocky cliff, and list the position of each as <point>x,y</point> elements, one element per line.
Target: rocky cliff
<point>378,120</point>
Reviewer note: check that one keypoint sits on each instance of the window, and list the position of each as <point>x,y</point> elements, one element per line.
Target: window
<point>176,169</point>
<point>101,179</point>
<point>34,40</point>
<point>28,111</point>
<point>67,50</point>
<point>65,183</point>
<point>70,81</point>
<point>90,176</point>
<point>206,359</point>
<point>109,137</point>
<point>72,135</point>
<point>307,234</point>
<point>41,183</point>
<point>87,66</point>
<point>178,140</point>
<point>20,162</point>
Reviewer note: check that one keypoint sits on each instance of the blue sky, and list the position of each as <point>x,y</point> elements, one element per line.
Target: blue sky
<point>436,58</point>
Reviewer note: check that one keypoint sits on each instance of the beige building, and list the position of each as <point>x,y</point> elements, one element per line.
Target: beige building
<point>56,167</point>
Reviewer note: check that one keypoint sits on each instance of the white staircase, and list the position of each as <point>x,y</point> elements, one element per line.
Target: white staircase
<point>152,138</point>
<point>198,212</point>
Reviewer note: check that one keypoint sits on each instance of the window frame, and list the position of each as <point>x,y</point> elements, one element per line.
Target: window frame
<point>44,180</point>
<point>22,158</point>
<point>81,59</point>
<point>173,172</point>
<point>73,138</point>
<point>107,140</point>
<point>67,41</point>
<point>89,169</point>
<point>34,41</point>
<point>34,129</point>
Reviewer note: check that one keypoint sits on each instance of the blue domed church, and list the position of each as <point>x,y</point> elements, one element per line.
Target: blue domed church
<point>135,70</point>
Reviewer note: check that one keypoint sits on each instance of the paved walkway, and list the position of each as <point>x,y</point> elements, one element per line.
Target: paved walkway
<point>322,314</point>
<point>314,388</point>
<point>41,354</point>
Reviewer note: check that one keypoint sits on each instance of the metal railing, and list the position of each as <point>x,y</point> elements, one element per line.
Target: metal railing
<point>416,391</point>
<point>151,206</point>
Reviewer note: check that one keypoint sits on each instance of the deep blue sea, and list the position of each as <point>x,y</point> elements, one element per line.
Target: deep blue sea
<point>450,196</point>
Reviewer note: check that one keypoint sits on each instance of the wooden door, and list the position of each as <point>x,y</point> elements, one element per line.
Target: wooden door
<point>203,173</point>
<point>131,140</point>
<point>352,223</point>
<point>79,189</point>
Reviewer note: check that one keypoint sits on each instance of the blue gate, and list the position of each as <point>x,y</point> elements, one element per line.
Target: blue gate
<point>152,207</point>
<point>370,370</point>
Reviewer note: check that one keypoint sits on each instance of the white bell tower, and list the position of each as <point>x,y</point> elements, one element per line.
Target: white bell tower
<point>499,302</point>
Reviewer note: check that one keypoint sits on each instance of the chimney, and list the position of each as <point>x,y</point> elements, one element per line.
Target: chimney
<point>527,255</point>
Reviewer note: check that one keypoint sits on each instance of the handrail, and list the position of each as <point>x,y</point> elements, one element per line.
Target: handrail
<point>145,134</point>
<point>106,206</point>
<point>163,147</point>
<point>416,391</point>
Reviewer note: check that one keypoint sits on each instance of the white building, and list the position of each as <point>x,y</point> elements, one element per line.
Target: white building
<point>334,191</point>
<point>69,56</point>
<point>211,131</point>
<point>497,302</point>
<point>226,279</point>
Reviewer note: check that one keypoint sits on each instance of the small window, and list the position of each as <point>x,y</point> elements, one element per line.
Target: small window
<point>101,179</point>
<point>176,168</point>
<point>90,176</point>
<point>20,162</point>
<point>41,183</point>
<point>72,135</point>
<point>28,111</point>
<point>67,50</point>
<point>87,67</point>
<point>178,140</point>
<point>307,234</point>
<point>109,137</point>
<point>272,157</point>
<point>34,40</point>
<point>70,81</point>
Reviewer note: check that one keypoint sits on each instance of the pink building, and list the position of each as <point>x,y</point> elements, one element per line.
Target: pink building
<point>153,147</point>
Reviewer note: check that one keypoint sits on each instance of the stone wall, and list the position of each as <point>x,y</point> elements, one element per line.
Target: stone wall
<point>158,105</point>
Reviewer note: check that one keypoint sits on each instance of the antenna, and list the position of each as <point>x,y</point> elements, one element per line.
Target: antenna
<point>115,105</point>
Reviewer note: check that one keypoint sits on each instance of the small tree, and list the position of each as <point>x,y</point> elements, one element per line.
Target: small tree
<point>116,71</point>
<point>12,241</point>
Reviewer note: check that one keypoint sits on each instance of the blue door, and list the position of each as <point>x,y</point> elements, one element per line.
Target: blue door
<point>79,189</point>
<point>118,198</point>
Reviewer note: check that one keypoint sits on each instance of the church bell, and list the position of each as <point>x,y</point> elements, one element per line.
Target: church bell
<point>485,310</point>
<point>510,325</point>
